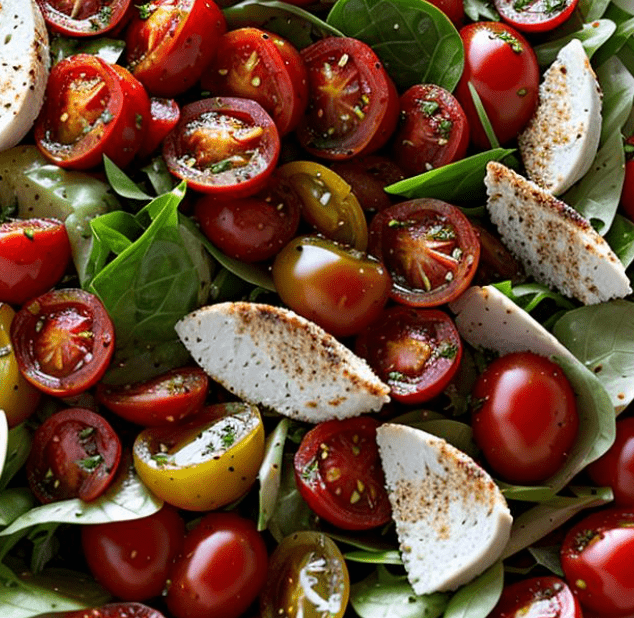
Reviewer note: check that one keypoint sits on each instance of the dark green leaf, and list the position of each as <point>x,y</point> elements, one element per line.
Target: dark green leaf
<point>18,449</point>
<point>620,237</point>
<point>478,598</point>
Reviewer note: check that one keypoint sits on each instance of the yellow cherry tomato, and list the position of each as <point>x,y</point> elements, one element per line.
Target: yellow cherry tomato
<point>18,398</point>
<point>205,463</point>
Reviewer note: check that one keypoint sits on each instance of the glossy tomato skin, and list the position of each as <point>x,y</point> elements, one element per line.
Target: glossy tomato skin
<point>256,64</point>
<point>34,255</point>
<point>503,68</point>
<point>433,130</point>
<point>168,50</point>
<point>524,417</point>
<point>132,559</point>
<point>338,472</point>
<point>627,191</point>
<point>416,352</point>
<point>341,290</point>
<point>75,454</point>
<point>63,341</point>
<point>221,569</point>
<point>223,146</point>
<point>535,15</point>
<point>430,249</point>
<point>537,597</point>
<point>164,116</point>
<point>453,9</point>
<point>109,610</point>
<point>85,19</point>
<point>496,262</point>
<point>353,102</point>
<point>596,558</point>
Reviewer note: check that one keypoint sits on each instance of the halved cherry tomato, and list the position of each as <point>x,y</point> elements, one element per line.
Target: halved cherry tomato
<point>535,15</point>
<point>433,130</point>
<point>91,109</point>
<point>34,255</point>
<point>163,400</point>
<point>340,289</point>
<point>338,472</point>
<point>164,116</point>
<point>260,65</point>
<point>429,248</point>
<point>353,102</point>
<point>225,146</point>
<point>110,610</point>
<point>496,262</point>
<point>75,454</point>
<point>63,341</point>
<point>84,18</point>
<point>414,351</point>
<point>170,42</point>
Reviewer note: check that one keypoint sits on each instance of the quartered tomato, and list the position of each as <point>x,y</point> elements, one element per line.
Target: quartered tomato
<point>338,472</point>
<point>163,400</point>
<point>110,610</point>
<point>170,42</point>
<point>92,108</point>
<point>429,248</point>
<point>433,130</point>
<point>75,454</point>
<point>262,66</point>
<point>353,102</point>
<point>63,341</point>
<point>535,15</point>
<point>164,116</point>
<point>84,18</point>
<point>414,351</point>
<point>205,462</point>
<point>34,255</point>
<point>225,146</point>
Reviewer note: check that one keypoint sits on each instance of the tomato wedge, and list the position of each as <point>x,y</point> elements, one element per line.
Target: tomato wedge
<point>85,18</point>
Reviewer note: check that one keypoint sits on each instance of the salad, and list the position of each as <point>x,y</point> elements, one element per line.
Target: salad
<point>177,174</point>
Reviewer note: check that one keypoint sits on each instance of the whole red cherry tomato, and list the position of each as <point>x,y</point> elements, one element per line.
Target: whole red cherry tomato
<point>86,18</point>
<point>596,557</point>
<point>75,454</point>
<point>34,255</point>
<point>110,610</point>
<point>221,569</point>
<point>353,102</point>
<point>338,472</point>
<point>131,559</point>
<point>535,15</point>
<point>453,9</point>
<point>524,417</point>
<point>502,67</point>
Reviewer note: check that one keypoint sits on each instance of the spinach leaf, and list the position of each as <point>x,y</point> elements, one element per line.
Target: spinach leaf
<point>624,30</point>
<point>620,237</point>
<point>481,10</point>
<point>14,502</point>
<point>18,449</point>
<point>591,10</point>
<point>121,183</point>
<point>270,472</point>
<point>617,84</point>
<point>416,41</point>
<point>390,556</point>
<point>479,597</point>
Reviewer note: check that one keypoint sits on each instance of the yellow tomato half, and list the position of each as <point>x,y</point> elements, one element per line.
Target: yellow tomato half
<point>205,463</point>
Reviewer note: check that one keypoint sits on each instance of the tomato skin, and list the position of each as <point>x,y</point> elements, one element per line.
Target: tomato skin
<point>109,610</point>
<point>416,352</point>
<point>521,441</point>
<point>75,454</point>
<point>496,262</point>
<point>34,255</point>
<point>596,558</point>
<point>627,191</point>
<point>85,19</point>
<point>339,289</point>
<point>453,9</point>
<point>333,461</point>
<point>63,341</point>
<point>221,570</point>
<point>506,80</point>
<point>164,116</point>
<point>536,15</point>
<point>131,559</point>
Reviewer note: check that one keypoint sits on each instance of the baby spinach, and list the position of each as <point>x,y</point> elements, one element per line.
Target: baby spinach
<point>620,237</point>
<point>270,472</point>
<point>479,597</point>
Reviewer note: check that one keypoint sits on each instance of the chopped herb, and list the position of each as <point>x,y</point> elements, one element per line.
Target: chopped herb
<point>106,116</point>
<point>310,470</point>
<point>161,459</point>
<point>441,232</point>
<point>228,436</point>
<point>507,37</point>
<point>105,15</point>
<point>139,121</point>
<point>444,127</point>
<point>396,376</point>
<point>145,10</point>
<point>90,464</point>
<point>448,350</point>
<point>429,107</point>
<point>521,5</point>
<point>221,166</point>
<point>29,233</point>
<point>86,433</point>
<point>555,6</point>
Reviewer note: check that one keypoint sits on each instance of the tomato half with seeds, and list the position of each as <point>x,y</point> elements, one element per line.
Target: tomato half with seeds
<point>535,15</point>
<point>85,18</point>
<point>109,610</point>
<point>63,341</point>
<point>75,454</point>
<point>430,249</point>
<point>353,102</point>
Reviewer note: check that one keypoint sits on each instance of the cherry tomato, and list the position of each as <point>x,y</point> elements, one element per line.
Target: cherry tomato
<point>85,18</point>
<point>262,66</point>
<point>430,249</point>
<point>535,15</point>
<point>164,116</point>
<point>537,597</point>
<point>110,610</point>
<point>75,454</point>
<point>502,67</point>
<point>252,229</point>
<point>225,146</point>
<point>453,9</point>
<point>627,192</point>
<point>34,255</point>
<point>615,468</point>
<point>338,472</point>
<point>163,400</point>
<point>131,559</point>
<point>596,557</point>
<point>496,262</point>
<point>433,130</point>
<point>353,103</point>
<point>63,341</point>
<point>524,417</point>
<point>414,351</point>
<point>205,462</point>
<point>170,42</point>
<point>341,290</point>
<point>221,570</point>
<point>308,577</point>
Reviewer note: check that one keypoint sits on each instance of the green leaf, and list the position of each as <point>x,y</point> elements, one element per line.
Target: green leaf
<point>624,30</point>
<point>15,502</point>
<point>416,41</point>
<point>482,116</point>
<point>620,237</point>
<point>159,176</point>
<point>591,10</point>
<point>479,597</point>
<point>270,472</point>
<point>392,556</point>
<point>109,50</point>
<point>18,449</point>
<point>121,183</point>
<point>457,433</point>
<point>481,10</point>
<point>617,84</point>
<point>548,557</point>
